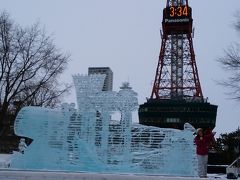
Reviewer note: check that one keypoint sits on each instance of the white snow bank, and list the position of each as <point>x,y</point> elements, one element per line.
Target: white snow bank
<point>5,160</point>
<point>46,175</point>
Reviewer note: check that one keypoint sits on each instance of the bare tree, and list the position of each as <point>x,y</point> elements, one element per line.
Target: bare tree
<point>30,65</point>
<point>231,63</point>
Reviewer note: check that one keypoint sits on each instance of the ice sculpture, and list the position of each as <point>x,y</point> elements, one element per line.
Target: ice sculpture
<point>88,140</point>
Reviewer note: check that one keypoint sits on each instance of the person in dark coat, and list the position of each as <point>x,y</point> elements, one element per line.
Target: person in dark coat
<point>203,141</point>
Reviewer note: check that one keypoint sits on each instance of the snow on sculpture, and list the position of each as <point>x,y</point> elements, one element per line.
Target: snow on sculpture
<point>88,140</point>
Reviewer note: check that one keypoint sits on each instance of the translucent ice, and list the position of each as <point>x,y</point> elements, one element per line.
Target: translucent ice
<point>86,139</point>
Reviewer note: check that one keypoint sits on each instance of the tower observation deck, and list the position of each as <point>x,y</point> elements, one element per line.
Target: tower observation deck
<point>177,96</point>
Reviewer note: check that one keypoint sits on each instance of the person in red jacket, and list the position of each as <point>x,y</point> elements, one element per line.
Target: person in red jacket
<point>203,141</point>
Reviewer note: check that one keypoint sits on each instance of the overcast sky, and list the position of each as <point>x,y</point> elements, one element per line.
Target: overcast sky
<point>124,35</point>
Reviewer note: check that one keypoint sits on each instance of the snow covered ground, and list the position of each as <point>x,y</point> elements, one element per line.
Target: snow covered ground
<point>10,174</point>
<point>46,175</point>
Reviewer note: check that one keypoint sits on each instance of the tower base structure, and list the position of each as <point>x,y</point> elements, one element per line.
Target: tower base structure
<point>175,113</point>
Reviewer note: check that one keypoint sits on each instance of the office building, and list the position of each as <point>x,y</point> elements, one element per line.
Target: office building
<point>108,83</point>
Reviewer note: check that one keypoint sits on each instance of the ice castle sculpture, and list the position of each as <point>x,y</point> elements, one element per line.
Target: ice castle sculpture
<point>88,140</point>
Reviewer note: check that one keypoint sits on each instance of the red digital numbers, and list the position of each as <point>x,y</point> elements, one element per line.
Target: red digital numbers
<point>178,11</point>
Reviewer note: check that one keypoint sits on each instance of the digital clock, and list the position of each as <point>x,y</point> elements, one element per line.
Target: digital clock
<point>177,19</point>
<point>177,15</point>
<point>178,12</point>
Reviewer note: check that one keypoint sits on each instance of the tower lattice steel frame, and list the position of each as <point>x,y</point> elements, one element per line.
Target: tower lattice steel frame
<point>177,75</point>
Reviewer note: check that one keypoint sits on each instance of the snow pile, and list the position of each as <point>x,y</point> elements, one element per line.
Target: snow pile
<point>5,160</point>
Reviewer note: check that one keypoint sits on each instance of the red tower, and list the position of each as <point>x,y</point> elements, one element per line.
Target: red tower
<point>176,74</point>
<point>176,90</point>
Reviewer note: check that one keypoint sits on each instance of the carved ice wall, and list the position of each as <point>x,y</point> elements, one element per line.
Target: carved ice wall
<point>88,140</point>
